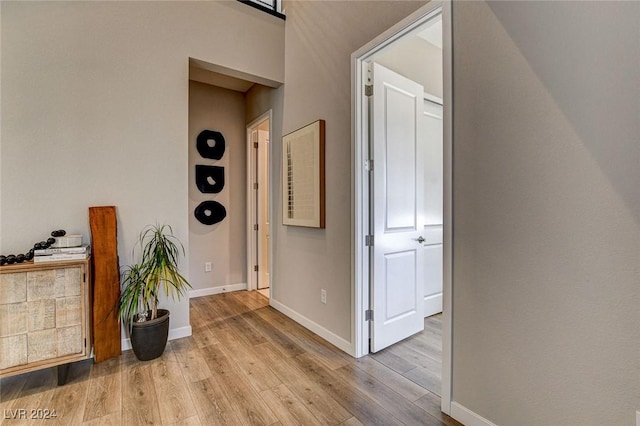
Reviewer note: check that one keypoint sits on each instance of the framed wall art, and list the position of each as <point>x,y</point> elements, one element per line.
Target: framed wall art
<point>303,187</point>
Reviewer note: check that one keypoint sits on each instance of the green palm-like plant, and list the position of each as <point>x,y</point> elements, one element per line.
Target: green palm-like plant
<point>156,271</point>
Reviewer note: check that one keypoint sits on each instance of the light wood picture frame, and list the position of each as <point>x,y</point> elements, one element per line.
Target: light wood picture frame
<point>303,176</point>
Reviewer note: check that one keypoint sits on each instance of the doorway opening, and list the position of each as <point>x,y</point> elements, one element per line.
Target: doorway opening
<point>258,205</point>
<point>391,241</point>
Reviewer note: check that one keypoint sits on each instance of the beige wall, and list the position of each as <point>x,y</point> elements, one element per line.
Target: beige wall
<point>95,110</point>
<point>547,212</point>
<point>320,37</point>
<point>222,244</point>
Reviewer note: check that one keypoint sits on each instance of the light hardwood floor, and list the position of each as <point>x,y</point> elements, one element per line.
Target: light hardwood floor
<point>419,357</point>
<point>244,364</point>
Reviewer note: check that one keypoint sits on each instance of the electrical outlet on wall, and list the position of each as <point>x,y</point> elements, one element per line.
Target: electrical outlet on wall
<point>207,266</point>
<point>323,295</point>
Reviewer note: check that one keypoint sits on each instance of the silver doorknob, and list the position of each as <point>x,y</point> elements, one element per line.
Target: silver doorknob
<point>420,239</point>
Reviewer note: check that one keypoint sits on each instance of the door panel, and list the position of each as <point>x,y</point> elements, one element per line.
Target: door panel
<point>398,208</point>
<point>400,151</point>
<point>400,268</point>
<point>433,137</point>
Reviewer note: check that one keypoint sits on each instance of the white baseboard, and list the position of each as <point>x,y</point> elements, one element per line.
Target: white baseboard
<point>332,338</point>
<point>175,333</point>
<point>432,304</point>
<point>468,417</point>
<point>217,290</point>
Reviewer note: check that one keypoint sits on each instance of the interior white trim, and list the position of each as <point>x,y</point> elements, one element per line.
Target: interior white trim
<point>327,335</point>
<point>174,333</point>
<point>468,417</point>
<point>217,290</point>
<point>252,242</point>
<point>433,98</point>
<point>360,190</point>
<point>447,236</point>
<point>432,303</point>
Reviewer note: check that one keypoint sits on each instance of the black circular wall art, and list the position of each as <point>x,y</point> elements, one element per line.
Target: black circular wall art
<point>210,144</point>
<point>210,212</point>
<point>209,179</point>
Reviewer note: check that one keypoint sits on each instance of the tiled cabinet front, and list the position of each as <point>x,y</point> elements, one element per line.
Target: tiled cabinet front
<point>44,315</point>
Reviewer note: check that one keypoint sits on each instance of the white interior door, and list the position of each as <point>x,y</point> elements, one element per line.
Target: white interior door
<point>398,208</point>
<point>263,208</point>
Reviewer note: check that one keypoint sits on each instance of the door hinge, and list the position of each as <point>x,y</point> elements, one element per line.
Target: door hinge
<point>255,145</point>
<point>368,89</point>
<point>255,268</point>
<point>255,227</point>
<point>255,185</point>
<point>368,315</point>
<point>368,165</point>
<point>368,240</point>
<point>84,277</point>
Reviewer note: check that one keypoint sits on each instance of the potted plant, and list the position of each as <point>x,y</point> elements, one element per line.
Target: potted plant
<point>141,286</point>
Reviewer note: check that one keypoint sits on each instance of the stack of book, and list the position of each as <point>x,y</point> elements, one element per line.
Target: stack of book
<point>61,253</point>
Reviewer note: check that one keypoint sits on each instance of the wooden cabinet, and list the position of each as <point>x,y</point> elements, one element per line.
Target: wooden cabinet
<point>45,315</point>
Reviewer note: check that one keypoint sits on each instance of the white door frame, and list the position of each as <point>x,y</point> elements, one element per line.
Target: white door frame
<point>252,208</point>
<point>360,196</point>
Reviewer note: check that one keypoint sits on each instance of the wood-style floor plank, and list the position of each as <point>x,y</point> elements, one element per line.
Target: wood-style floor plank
<point>397,382</point>
<point>69,400</point>
<point>191,421</point>
<point>204,337</point>
<point>139,399</point>
<point>244,331</point>
<point>36,393</point>
<point>305,339</point>
<point>252,299</point>
<point>113,419</point>
<point>352,422</point>
<point>431,404</point>
<point>423,377</point>
<point>346,393</point>
<point>287,407</point>
<point>247,404</point>
<point>10,388</point>
<point>281,341</point>
<point>400,407</point>
<point>191,359</point>
<point>320,402</point>
<point>245,364</point>
<point>104,396</point>
<point>418,358</point>
<point>393,361</point>
<point>212,405</point>
<point>248,362</point>
<point>172,392</point>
